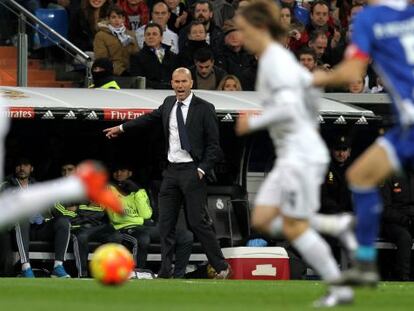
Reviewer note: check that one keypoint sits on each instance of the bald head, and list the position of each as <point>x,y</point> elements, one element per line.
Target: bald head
<point>182,83</point>
<point>182,70</point>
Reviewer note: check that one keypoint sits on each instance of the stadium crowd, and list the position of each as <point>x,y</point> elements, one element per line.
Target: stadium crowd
<point>152,38</point>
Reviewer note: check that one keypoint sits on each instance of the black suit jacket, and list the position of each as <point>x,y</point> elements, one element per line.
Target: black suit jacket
<point>145,63</point>
<point>202,128</point>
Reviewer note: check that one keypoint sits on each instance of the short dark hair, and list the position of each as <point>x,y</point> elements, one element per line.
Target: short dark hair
<point>115,9</point>
<point>195,23</point>
<point>319,2</point>
<point>307,51</point>
<point>204,54</point>
<point>316,34</point>
<point>210,5</point>
<point>153,25</point>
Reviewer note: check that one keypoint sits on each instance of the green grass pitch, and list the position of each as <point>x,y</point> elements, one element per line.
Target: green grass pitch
<point>194,295</point>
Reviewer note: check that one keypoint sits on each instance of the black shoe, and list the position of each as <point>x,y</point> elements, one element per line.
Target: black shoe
<point>361,274</point>
<point>164,275</point>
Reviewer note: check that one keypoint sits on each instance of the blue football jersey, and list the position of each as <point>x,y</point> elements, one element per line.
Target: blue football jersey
<point>386,35</point>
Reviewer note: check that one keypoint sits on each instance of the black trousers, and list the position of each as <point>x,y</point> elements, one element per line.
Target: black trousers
<point>403,239</point>
<point>181,184</point>
<point>56,230</point>
<point>6,255</point>
<point>183,245</point>
<point>142,235</point>
<point>104,233</point>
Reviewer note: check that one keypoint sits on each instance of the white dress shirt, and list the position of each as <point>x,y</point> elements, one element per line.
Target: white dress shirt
<point>169,38</point>
<point>175,153</point>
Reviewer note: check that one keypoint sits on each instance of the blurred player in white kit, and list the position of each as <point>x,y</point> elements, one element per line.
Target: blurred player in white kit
<point>290,196</point>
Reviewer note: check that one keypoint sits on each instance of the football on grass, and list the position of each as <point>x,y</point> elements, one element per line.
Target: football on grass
<point>111,264</point>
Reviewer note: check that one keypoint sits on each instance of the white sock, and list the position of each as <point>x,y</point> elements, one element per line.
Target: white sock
<point>276,227</point>
<point>58,263</point>
<point>317,254</point>
<point>25,266</point>
<point>39,197</point>
<point>326,224</point>
<point>336,226</point>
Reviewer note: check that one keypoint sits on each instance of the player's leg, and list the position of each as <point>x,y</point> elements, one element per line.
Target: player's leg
<point>340,226</point>
<point>300,199</point>
<point>363,176</point>
<point>317,253</point>
<point>265,219</point>
<point>90,181</point>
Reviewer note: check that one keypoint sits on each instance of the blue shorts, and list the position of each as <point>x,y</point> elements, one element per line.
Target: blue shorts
<point>399,145</point>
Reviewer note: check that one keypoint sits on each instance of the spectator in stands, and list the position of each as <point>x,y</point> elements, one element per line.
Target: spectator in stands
<point>115,42</point>
<point>136,13</point>
<point>307,58</point>
<point>358,86</point>
<point>179,15</point>
<point>222,11</point>
<point>160,15</point>
<point>88,223</point>
<point>230,83</point>
<point>203,12</point>
<point>318,42</point>
<point>356,8</point>
<point>297,36</point>
<point>84,23</point>
<point>378,87</point>
<point>155,61</point>
<point>248,79</point>
<point>197,36</point>
<point>335,195</point>
<point>301,13</point>
<point>234,59</point>
<point>319,16</point>
<point>38,227</point>
<point>398,221</point>
<point>102,74</point>
<point>206,75</point>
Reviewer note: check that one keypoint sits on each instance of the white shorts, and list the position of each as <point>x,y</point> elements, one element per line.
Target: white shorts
<point>294,189</point>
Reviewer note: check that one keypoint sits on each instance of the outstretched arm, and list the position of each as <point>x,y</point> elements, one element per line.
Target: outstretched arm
<point>349,70</point>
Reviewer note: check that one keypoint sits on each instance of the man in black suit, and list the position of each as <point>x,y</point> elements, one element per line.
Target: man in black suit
<point>155,61</point>
<point>191,126</point>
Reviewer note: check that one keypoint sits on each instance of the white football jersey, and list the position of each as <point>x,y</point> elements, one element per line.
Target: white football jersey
<point>290,108</point>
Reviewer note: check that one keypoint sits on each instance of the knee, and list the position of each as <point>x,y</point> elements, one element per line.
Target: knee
<point>357,176</point>
<point>262,217</point>
<point>144,241</point>
<point>82,239</point>
<point>62,223</point>
<point>185,237</point>
<point>293,228</point>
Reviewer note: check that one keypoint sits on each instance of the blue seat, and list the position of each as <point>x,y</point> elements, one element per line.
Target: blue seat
<point>57,19</point>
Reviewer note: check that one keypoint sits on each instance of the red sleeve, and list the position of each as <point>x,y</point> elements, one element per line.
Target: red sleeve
<point>353,52</point>
<point>144,14</point>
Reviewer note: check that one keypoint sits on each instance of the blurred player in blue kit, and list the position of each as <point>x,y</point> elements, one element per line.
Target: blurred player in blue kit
<point>384,33</point>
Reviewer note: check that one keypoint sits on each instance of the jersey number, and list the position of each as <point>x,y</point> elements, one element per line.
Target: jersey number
<point>408,44</point>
